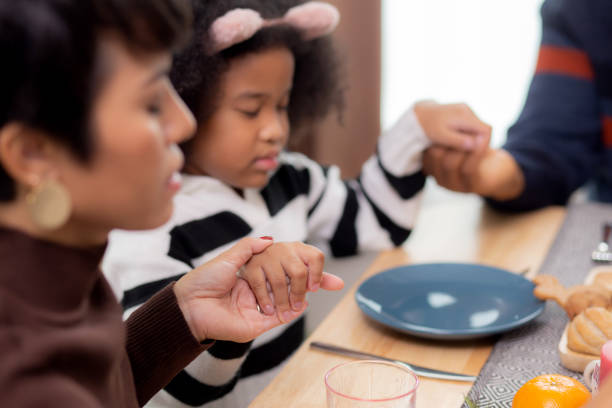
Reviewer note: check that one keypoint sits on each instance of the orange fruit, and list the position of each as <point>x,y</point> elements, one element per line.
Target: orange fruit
<point>551,391</point>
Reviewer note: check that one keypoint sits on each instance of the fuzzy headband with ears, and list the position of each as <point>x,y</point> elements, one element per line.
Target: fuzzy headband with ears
<point>312,19</point>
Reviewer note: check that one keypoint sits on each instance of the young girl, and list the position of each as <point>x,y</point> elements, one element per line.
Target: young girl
<point>253,70</point>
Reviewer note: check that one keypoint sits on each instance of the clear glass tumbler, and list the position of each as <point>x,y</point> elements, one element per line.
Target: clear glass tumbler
<point>371,384</point>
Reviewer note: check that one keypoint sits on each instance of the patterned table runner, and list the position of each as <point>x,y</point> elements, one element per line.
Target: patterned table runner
<point>532,349</point>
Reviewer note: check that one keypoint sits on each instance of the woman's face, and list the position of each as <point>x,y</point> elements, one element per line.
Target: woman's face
<point>137,121</point>
<point>239,144</point>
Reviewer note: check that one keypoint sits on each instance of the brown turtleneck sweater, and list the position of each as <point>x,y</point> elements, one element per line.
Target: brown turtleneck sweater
<point>62,340</point>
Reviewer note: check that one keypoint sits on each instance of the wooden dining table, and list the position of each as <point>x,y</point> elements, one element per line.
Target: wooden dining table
<point>451,227</point>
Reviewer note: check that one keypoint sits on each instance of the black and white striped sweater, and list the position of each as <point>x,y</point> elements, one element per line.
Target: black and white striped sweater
<point>302,202</point>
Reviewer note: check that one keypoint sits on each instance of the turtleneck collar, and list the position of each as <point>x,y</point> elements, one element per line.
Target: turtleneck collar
<point>45,274</point>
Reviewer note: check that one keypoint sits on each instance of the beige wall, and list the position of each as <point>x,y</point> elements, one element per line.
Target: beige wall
<point>358,38</point>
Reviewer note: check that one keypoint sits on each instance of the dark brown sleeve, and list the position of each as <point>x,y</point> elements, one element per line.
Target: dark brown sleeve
<point>159,343</point>
<point>47,391</point>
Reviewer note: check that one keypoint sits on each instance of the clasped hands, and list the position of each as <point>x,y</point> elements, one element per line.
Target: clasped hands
<point>271,289</point>
<point>460,158</point>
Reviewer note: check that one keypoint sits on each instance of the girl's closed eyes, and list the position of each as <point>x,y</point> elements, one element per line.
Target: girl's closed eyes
<point>251,114</point>
<point>251,104</point>
<point>250,110</point>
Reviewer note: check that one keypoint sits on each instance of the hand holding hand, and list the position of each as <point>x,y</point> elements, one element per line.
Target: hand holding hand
<point>453,125</point>
<point>288,270</point>
<point>493,173</point>
<point>217,304</point>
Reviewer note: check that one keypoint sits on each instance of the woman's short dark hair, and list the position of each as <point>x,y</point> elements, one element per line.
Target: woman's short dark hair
<point>317,88</point>
<point>49,59</point>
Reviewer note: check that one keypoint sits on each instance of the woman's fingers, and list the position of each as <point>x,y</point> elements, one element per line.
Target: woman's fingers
<point>241,253</point>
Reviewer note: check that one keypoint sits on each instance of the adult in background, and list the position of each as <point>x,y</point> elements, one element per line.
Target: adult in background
<point>562,139</point>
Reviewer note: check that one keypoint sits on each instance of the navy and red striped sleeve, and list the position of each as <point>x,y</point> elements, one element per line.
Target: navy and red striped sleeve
<point>558,138</point>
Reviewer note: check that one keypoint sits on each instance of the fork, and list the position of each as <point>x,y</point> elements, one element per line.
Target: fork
<point>602,252</point>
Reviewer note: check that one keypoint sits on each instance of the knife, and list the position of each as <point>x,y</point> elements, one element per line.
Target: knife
<point>422,371</point>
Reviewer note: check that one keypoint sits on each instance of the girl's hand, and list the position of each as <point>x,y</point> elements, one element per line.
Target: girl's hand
<point>217,304</point>
<point>281,275</point>
<point>454,126</point>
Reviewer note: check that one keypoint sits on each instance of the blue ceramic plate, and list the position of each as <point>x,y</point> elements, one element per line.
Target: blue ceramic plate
<point>449,301</point>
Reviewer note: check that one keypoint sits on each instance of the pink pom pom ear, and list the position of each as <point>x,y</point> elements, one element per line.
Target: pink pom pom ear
<point>233,27</point>
<point>313,19</point>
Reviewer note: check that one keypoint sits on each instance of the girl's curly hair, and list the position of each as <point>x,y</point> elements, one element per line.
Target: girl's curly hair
<point>316,83</point>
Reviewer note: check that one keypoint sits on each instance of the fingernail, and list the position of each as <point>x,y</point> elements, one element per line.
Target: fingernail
<point>287,316</point>
<point>269,310</point>
<point>315,287</point>
<point>297,306</point>
<point>269,238</point>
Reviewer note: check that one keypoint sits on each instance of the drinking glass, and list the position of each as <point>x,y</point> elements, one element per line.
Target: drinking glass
<point>371,384</point>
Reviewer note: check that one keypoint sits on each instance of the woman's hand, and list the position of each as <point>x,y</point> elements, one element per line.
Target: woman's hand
<point>281,275</point>
<point>218,305</point>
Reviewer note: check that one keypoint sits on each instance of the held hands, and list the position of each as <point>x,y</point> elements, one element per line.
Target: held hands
<point>218,305</point>
<point>453,126</point>
<point>494,174</point>
<point>460,158</point>
<point>282,274</point>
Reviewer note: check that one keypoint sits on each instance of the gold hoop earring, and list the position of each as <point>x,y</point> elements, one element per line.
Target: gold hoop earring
<point>49,204</point>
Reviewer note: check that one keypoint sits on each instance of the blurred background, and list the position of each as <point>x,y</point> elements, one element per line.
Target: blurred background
<point>482,52</point>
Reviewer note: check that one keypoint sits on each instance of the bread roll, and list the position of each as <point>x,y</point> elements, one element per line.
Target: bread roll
<point>589,330</point>
<point>604,280</point>
<point>576,298</point>
<point>586,296</point>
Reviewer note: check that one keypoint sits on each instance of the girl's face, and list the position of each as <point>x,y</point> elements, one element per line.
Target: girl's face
<point>240,143</point>
<point>137,121</point>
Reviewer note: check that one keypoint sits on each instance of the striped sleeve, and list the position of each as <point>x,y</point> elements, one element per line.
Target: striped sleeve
<point>557,139</point>
<point>377,210</point>
<point>137,266</point>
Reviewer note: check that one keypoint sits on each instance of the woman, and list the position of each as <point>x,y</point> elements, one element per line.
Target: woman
<point>89,125</point>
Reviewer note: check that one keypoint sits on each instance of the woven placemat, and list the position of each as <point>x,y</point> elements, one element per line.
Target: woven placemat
<point>532,349</point>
